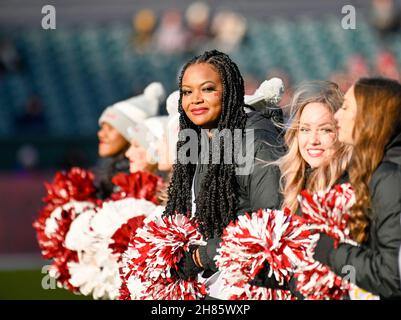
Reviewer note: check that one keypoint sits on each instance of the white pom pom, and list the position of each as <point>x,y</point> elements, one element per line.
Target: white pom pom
<point>268,94</point>
<point>271,89</point>
<point>172,103</point>
<point>156,91</point>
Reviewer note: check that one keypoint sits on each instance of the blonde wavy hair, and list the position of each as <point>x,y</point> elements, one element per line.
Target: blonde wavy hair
<point>378,119</point>
<point>293,167</point>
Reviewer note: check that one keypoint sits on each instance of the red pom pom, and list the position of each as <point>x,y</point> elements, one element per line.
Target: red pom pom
<point>76,184</point>
<point>276,237</point>
<point>325,211</point>
<point>139,185</point>
<point>67,196</point>
<point>320,283</point>
<point>122,236</point>
<point>329,211</point>
<point>155,249</point>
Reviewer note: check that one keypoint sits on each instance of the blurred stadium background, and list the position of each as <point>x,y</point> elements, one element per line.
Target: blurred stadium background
<point>54,84</point>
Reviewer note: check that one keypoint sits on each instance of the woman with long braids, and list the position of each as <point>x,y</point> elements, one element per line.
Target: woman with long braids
<point>212,97</point>
<point>370,121</point>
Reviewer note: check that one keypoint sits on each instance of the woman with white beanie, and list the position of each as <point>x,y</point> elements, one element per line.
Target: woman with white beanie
<point>117,123</point>
<point>153,144</point>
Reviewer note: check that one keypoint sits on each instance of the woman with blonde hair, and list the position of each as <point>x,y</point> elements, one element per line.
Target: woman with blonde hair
<point>370,121</point>
<point>315,159</point>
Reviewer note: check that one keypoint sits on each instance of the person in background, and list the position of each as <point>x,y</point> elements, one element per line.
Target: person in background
<point>117,123</point>
<point>171,37</point>
<point>143,23</point>
<point>385,16</point>
<point>229,31</point>
<point>197,17</point>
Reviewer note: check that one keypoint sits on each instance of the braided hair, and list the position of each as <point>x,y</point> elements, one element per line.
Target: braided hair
<point>217,198</point>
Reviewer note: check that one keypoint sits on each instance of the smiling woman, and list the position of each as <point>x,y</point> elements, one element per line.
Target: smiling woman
<point>316,134</point>
<point>370,121</point>
<point>201,95</point>
<point>315,159</point>
<point>111,142</point>
<point>212,97</point>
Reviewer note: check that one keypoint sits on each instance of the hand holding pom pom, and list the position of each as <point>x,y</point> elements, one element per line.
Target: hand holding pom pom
<point>154,255</point>
<point>262,279</point>
<point>275,237</point>
<point>186,268</point>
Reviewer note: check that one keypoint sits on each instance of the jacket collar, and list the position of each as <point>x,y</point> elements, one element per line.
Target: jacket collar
<point>392,152</point>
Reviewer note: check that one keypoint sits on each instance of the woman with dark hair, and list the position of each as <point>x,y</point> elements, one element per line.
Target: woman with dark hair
<point>117,124</point>
<point>370,121</point>
<point>211,102</point>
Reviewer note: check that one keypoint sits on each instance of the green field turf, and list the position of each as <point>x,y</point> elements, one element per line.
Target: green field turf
<point>27,285</point>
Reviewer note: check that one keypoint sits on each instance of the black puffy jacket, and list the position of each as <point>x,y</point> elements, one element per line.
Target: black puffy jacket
<point>376,261</point>
<point>259,188</point>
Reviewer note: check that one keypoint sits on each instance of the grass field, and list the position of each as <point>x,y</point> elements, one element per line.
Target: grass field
<point>27,285</point>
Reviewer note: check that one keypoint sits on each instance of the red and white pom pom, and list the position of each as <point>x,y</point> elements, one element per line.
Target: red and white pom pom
<point>51,234</point>
<point>68,195</point>
<point>76,184</point>
<point>320,283</point>
<point>249,292</point>
<point>329,210</point>
<point>100,238</point>
<point>154,251</point>
<point>175,289</point>
<point>325,211</point>
<point>273,236</point>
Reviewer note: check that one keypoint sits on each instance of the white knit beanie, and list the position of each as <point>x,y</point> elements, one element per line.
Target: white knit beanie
<point>155,128</point>
<point>160,129</point>
<point>128,116</point>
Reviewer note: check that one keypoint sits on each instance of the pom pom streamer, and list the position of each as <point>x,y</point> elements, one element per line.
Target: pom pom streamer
<point>329,211</point>
<point>273,236</point>
<point>100,238</point>
<point>154,252</point>
<point>138,185</point>
<point>67,197</point>
<point>326,211</point>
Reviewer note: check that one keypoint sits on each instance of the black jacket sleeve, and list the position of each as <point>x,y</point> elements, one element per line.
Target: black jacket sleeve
<point>263,183</point>
<point>376,263</point>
